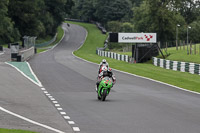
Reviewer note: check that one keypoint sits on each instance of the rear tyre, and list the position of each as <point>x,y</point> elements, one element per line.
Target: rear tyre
<point>103,97</point>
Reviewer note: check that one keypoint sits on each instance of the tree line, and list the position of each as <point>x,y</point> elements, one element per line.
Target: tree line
<point>31,17</point>
<point>160,16</point>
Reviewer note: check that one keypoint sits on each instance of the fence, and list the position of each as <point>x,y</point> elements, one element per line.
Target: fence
<point>46,43</point>
<point>192,68</point>
<point>113,55</point>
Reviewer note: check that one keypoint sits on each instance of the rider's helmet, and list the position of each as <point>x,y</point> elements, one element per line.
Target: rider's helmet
<point>104,61</point>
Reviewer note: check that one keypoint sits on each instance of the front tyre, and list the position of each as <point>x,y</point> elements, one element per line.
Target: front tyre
<point>104,94</point>
<point>99,98</point>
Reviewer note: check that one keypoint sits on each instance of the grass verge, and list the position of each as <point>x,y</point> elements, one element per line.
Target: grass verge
<point>96,39</point>
<point>181,55</point>
<point>14,131</point>
<point>60,34</point>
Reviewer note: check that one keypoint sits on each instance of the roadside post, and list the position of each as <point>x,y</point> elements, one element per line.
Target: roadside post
<point>14,47</point>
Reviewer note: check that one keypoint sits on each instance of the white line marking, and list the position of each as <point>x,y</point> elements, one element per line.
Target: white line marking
<point>57,105</point>
<point>55,101</point>
<point>52,99</point>
<point>43,89</point>
<point>67,117</point>
<point>45,92</point>
<point>48,94</point>
<point>76,129</point>
<point>62,113</point>
<point>71,122</point>
<point>31,121</point>
<point>39,83</point>
<point>23,74</point>
<point>85,39</point>
<point>59,109</point>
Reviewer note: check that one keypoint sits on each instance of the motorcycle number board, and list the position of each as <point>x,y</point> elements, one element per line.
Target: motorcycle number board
<point>137,38</point>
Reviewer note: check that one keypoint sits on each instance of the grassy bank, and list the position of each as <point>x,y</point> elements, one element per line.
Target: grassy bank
<point>60,33</point>
<point>96,39</point>
<point>14,131</point>
<point>181,55</point>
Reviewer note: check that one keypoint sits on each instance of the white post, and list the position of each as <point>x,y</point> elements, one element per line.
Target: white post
<point>161,63</point>
<point>182,66</point>
<point>175,65</point>
<point>191,68</point>
<point>109,54</point>
<point>118,56</point>
<point>167,64</point>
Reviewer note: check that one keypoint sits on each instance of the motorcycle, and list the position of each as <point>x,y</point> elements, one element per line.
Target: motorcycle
<point>104,88</point>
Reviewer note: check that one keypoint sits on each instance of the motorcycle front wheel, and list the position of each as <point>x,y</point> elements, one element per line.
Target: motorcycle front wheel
<point>103,97</point>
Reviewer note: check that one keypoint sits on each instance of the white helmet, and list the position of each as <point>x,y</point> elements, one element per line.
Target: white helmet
<point>104,61</point>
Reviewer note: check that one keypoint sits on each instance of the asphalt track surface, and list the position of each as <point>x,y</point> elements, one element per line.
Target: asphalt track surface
<point>135,105</point>
<point>20,96</point>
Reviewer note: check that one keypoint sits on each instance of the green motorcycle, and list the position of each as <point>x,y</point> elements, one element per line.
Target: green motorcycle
<point>104,88</point>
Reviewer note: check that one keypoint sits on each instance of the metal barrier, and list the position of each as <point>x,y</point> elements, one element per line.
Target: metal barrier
<point>177,65</point>
<point>26,54</point>
<point>112,55</point>
<point>46,43</point>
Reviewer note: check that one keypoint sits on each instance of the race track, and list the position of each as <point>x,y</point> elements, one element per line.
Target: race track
<point>135,105</point>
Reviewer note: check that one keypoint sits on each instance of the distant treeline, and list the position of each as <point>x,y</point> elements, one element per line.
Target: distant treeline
<point>31,17</point>
<point>160,16</point>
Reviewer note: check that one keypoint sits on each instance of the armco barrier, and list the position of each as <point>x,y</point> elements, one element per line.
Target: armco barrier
<point>46,43</point>
<point>177,65</point>
<point>112,55</point>
<point>26,54</point>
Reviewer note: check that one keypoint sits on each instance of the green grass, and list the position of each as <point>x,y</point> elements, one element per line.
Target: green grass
<point>95,39</point>
<point>42,40</point>
<point>60,34</point>
<point>5,45</point>
<point>14,131</point>
<point>181,55</point>
<point>39,50</point>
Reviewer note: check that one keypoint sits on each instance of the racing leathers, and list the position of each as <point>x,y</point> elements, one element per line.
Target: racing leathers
<point>101,65</point>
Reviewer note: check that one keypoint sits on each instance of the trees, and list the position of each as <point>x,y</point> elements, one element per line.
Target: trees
<point>127,27</point>
<point>31,17</point>
<point>7,31</point>
<point>112,10</point>
<point>87,9</point>
<point>114,26</point>
<point>194,32</point>
<point>25,14</point>
<point>155,16</point>
<point>57,10</point>
<point>189,10</point>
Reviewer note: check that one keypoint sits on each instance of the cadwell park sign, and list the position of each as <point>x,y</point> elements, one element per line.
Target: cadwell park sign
<point>144,45</point>
<point>133,37</point>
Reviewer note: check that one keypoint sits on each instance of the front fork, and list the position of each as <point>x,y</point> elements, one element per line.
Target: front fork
<point>100,91</point>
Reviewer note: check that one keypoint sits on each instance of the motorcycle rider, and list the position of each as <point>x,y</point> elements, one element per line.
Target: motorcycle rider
<point>105,73</point>
<point>103,63</point>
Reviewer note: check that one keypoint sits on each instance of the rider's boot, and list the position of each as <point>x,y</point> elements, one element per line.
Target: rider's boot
<point>97,85</point>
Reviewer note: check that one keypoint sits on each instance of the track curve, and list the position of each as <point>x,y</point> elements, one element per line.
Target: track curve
<point>136,105</point>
